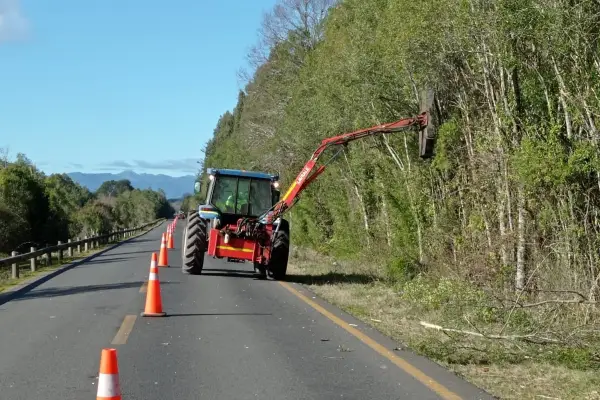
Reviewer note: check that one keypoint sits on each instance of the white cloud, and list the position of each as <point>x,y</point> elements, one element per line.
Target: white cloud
<point>12,23</point>
<point>188,165</point>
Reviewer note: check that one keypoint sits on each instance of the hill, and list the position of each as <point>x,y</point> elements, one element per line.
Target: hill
<point>174,187</point>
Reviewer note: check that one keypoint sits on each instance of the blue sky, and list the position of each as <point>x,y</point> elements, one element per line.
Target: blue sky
<point>102,86</point>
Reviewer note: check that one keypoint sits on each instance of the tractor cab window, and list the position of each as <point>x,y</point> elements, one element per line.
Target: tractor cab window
<point>242,196</point>
<point>260,197</point>
<point>224,194</point>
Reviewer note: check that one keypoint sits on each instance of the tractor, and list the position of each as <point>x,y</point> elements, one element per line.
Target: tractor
<point>234,196</point>
<point>241,219</point>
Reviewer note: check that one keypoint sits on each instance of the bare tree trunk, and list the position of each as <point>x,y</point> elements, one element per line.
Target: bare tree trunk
<point>386,218</point>
<point>500,187</point>
<point>502,228</point>
<point>413,203</point>
<point>360,200</point>
<point>393,153</point>
<point>488,233</point>
<point>364,212</point>
<point>508,197</point>
<point>563,101</point>
<point>520,273</point>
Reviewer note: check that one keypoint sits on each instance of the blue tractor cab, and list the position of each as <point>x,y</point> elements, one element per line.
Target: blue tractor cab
<point>234,194</point>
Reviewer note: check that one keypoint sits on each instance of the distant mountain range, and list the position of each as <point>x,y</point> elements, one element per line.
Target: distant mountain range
<point>174,187</point>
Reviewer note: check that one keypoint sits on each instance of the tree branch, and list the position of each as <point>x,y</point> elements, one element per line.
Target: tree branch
<point>530,338</point>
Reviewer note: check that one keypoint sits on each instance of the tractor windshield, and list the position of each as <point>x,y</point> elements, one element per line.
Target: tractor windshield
<point>242,196</point>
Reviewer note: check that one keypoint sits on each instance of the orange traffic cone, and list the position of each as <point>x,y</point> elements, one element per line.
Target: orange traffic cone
<point>153,299</point>
<point>108,379</point>
<point>163,259</point>
<point>170,241</point>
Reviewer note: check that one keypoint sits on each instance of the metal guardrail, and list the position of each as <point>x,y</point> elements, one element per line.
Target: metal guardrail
<point>87,243</point>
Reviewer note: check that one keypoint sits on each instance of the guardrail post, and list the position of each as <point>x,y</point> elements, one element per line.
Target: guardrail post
<point>33,260</point>
<point>70,249</point>
<point>85,245</point>
<point>60,253</point>
<point>15,266</point>
<point>48,258</point>
<point>78,245</point>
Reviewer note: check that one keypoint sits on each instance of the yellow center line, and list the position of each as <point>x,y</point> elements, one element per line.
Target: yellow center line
<point>144,287</point>
<point>426,380</point>
<point>125,330</point>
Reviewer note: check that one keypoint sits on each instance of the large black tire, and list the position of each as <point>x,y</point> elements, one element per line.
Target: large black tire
<point>194,245</point>
<point>277,268</point>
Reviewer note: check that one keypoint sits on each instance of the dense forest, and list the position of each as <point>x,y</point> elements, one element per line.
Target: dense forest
<point>38,210</point>
<point>502,226</point>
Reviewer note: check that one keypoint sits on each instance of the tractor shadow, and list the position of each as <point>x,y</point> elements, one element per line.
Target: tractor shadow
<point>132,252</point>
<point>143,240</point>
<point>232,273</point>
<point>101,260</point>
<point>331,278</point>
<point>74,290</point>
<point>216,314</point>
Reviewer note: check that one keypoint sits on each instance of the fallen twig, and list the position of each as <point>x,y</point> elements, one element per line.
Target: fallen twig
<point>556,291</point>
<point>554,301</point>
<point>531,338</point>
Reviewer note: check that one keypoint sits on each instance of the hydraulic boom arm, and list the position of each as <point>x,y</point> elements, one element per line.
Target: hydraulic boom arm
<point>309,174</point>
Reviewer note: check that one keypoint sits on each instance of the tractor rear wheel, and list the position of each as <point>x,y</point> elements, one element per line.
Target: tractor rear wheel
<point>194,245</point>
<point>277,268</point>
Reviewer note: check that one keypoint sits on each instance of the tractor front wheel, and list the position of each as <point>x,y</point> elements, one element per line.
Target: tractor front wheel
<point>277,267</point>
<point>194,245</point>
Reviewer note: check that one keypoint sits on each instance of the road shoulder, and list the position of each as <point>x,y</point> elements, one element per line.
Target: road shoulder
<point>432,375</point>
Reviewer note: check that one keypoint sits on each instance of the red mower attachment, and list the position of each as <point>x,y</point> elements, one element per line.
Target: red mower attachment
<point>424,121</point>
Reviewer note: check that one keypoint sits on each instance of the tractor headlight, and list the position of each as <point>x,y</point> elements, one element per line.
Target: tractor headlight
<point>276,184</point>
<point>211,177</point>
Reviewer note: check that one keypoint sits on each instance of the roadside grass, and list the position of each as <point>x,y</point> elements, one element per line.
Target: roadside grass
<point>25,273</point>
<point>506,368</point>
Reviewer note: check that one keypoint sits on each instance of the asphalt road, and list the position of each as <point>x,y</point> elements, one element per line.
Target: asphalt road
<point>227,335</point>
